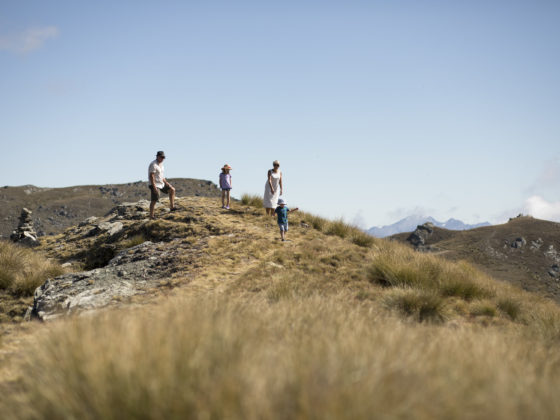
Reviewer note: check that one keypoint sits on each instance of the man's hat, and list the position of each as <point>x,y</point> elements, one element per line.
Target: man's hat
<point>160,154</point>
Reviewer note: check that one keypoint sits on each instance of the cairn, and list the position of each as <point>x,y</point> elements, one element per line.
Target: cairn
<point>25,233</point>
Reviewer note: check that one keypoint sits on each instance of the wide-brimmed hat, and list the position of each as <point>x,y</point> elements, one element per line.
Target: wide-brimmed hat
<point>160,154</point>
<point>226,166</point>
<point>281,201</point>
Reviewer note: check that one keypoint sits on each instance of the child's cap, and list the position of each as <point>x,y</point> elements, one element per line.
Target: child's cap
<point>281,201</point>
<point>226,166</point>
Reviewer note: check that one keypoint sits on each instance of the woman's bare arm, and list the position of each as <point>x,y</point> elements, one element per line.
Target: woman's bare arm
<point>270,181</point>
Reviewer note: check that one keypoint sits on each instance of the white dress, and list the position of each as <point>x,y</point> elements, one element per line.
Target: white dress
<point>270,201</point>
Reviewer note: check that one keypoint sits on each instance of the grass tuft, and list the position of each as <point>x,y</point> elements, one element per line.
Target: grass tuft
<point>464,289</point>
<point>317,222</point>
<point>22,270</point>
<point>339,228</point>
<point>421,305</point>
<point>484,309</point>
<point>252,200</point>
<point>132,241</point>
<point>510,307</point>
<point>362,239</point>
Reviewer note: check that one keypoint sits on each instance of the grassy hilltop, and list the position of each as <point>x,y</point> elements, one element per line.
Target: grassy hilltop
<point>334,324</point>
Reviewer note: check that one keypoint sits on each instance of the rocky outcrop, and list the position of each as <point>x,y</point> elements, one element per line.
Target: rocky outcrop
<point>419,237</point>
<point>536,245</point>
<point>519,242</point>
<point>25,233</point>
<point>132,211</point>
<point>132,272</point>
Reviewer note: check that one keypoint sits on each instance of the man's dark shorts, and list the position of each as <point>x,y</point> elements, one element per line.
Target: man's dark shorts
<point>155,191</point>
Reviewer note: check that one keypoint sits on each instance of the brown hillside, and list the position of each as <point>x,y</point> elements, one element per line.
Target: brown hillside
<point>55,209</point>
<point>205,310</point>
<point>530,263</point>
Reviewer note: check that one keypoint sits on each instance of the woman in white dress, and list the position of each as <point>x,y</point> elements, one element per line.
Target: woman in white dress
<point>272,188</point>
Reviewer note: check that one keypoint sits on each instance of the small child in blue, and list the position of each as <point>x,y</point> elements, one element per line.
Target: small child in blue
<point>225,185</point>
<point>282,213</point>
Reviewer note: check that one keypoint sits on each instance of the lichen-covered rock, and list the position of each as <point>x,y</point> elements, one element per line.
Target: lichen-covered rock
<point>89,221</point>
<point>131,272</point>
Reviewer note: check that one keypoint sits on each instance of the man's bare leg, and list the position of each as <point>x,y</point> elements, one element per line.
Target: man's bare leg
<point>172,198</point>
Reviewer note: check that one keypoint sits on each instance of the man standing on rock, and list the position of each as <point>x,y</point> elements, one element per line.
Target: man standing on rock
<point>158,184</point>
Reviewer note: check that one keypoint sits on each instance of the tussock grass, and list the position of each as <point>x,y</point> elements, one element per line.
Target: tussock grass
<point>400,268</point>
<point>484,309</point>
<point>316,222</point>
<point>22,270</point>
<point>510,306</point>
<point>362,239</point>
<point>296,358</point>
<point>252,200</point>
<point>419,304</point>
<point>339,228</point>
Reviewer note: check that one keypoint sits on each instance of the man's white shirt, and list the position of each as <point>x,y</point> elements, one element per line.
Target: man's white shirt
<point>156,169</point>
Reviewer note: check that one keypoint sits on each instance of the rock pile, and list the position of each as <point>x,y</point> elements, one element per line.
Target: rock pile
<point>25,233</point>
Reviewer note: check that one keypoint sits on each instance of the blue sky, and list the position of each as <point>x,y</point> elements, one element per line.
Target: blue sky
<point>376,109</point>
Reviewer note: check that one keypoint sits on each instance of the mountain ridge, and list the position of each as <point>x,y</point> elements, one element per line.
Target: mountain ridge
<point>409,223</point>
<point>55,209</point>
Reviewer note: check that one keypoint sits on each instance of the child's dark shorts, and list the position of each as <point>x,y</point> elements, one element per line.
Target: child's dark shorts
<point>226,189</point>
<point>155,192</point>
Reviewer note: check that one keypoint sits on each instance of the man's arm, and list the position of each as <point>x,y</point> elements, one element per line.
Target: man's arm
<point>153,178</point>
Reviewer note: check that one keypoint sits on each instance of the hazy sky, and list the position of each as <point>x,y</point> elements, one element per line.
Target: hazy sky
<point>376,109</point>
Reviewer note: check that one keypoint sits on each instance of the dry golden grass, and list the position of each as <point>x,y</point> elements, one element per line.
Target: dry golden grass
<point>252,200</point>
<point>315,357</point>
<point>23,270</point>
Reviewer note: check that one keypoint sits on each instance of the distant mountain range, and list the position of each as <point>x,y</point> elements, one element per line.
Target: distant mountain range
<point>408,224</point>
